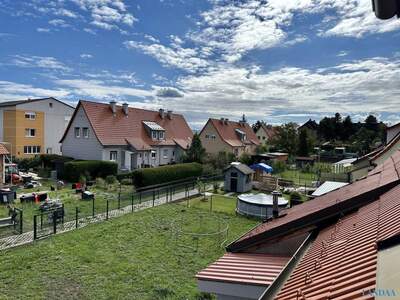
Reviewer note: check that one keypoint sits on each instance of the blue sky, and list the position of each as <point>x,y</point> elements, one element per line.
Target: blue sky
<point>273,60</point>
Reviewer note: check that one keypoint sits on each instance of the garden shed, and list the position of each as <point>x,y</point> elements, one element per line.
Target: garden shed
<point>238,178</point>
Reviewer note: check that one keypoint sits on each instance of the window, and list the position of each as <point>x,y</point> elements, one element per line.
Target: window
<point>31,149</point>
<point>49,151</point>
<point>51,105</point>
<point>165,153</point>
<point>259,137</point>
<point>113,155</point>
<point>153,154</point>
<point>154,135</point>
<point>85,132</point>
<point>77,131</point>
<point>207,136</point>
<point>213,137</point>
<point>30,115</point>
<point>30,132</point>
<point>161,135</point>
<point>264,138</point>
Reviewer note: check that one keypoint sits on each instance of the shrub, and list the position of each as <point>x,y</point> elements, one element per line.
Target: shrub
<point>44,172</point>
<point>111,179</point>
<point>152,176</point>
<point>126,181</point>
<point>278,166</point>
<point>93,168</point>
<point>50,160</point>
<point>295,196</point>
<point>100,182</point>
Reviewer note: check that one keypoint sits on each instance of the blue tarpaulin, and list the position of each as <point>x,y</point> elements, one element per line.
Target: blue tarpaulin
<point>262,167</point>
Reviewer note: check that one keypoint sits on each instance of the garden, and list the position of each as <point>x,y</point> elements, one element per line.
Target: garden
<point>136,256</point>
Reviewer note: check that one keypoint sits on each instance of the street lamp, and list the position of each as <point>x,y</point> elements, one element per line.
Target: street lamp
<point>386,9</point>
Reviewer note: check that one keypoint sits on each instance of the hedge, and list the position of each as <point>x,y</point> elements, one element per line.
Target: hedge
<point>163,174</point>
<point>94,168</point>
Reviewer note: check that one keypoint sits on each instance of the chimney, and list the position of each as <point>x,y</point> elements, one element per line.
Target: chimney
<point>226,121</point>
<point>222,121</point>
<point>275,207</point>
<point>113,106</point>
<point>169,114</point>
<point>162,113</point>
<point>125,108</point>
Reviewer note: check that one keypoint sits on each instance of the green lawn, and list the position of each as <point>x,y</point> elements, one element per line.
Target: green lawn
<point>131,257</point>
<point>298,177</point>
<point>218,203</point>
<point>71,200</point>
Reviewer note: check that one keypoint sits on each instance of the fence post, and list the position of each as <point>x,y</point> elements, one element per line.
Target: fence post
<point>107,210</point>
<point>154,197</point>
<point>55,222</point>
<point>34,227</point>
<point>133,195</point>
<point>21,221</point>
<point>76,216</point>
<point>140,197</point>
<point>93,207</point>
<point>119,200</point>
<point>166,195</point>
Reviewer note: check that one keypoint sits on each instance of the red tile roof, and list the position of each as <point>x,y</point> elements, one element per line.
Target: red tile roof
<point>228,133</point>
<point>3,150</point>
<point>387,148</point>
<point>309,213</point>
<point>122,130</point>
<point>270,130</point>
<point>256,269</point>
<point>342,261</point>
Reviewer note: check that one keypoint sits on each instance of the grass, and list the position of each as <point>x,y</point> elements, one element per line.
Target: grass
<point>298,177</point>
<point>219,203</point>
<point>71,200</point>
<point>131,257</point>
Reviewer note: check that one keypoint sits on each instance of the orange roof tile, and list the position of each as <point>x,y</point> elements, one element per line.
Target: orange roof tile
<point>342,261</point>
<point>227,132</point>
<point>122,130</point>
<point>257,269</point>
<point>3,150</point>
<point>354,195</point>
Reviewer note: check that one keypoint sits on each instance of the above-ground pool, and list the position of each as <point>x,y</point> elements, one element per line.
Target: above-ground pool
<point>258,205</point>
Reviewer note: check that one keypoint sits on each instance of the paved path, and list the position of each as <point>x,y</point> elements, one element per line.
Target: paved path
<point>27,237</point>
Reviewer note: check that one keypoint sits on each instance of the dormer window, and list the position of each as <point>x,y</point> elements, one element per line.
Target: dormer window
<point>155,131</point>
<point>242,135</point>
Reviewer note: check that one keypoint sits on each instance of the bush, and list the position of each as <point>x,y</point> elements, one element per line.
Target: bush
<point>126,181</point>
<point>295,196</point>
<point>111,179</point>
<point>44,172</point>
<point>100,182</point>
<point>50,160</point>
<point>89,168</point>
<point>278,166</point>
<point>163,174</point>
<point>28,163</point>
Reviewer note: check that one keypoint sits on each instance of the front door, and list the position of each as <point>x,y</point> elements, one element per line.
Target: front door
<point>233,184</point>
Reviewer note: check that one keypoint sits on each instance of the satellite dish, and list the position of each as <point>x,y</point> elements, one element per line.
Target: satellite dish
<point>386,9</point>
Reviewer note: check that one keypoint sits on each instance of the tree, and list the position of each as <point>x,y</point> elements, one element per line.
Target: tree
<point>196,152</point>
<point>245,158</point>
<point>286,138</point>
<point>257,125</point>
<point>303,148</point>
<point>348,128</point>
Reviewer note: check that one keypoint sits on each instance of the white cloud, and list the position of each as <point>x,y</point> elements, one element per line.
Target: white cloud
<point>86,55</point>
<point>65,13</point>
<point>40,29</point>
<point>369,85</point>
<point>342,53</point>
<point>100,90</point>
<point>17,91</point>
<point>45,62</point>
<point>59,23</point>
<point>178,57</point>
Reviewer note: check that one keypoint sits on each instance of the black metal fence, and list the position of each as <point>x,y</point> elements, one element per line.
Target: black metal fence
<point>53,221</point>
<point>13,224</point>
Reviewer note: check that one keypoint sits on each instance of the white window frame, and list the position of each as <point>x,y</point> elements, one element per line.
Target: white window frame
<point>113,155</point>
<point>161,135</point>
<point>31,149</point>
<point>77,130</point>
<point>153,154</point>
<point>28,132</point>
<point>30,115</point>
<point>154,135</point>
<point>85,132</point>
